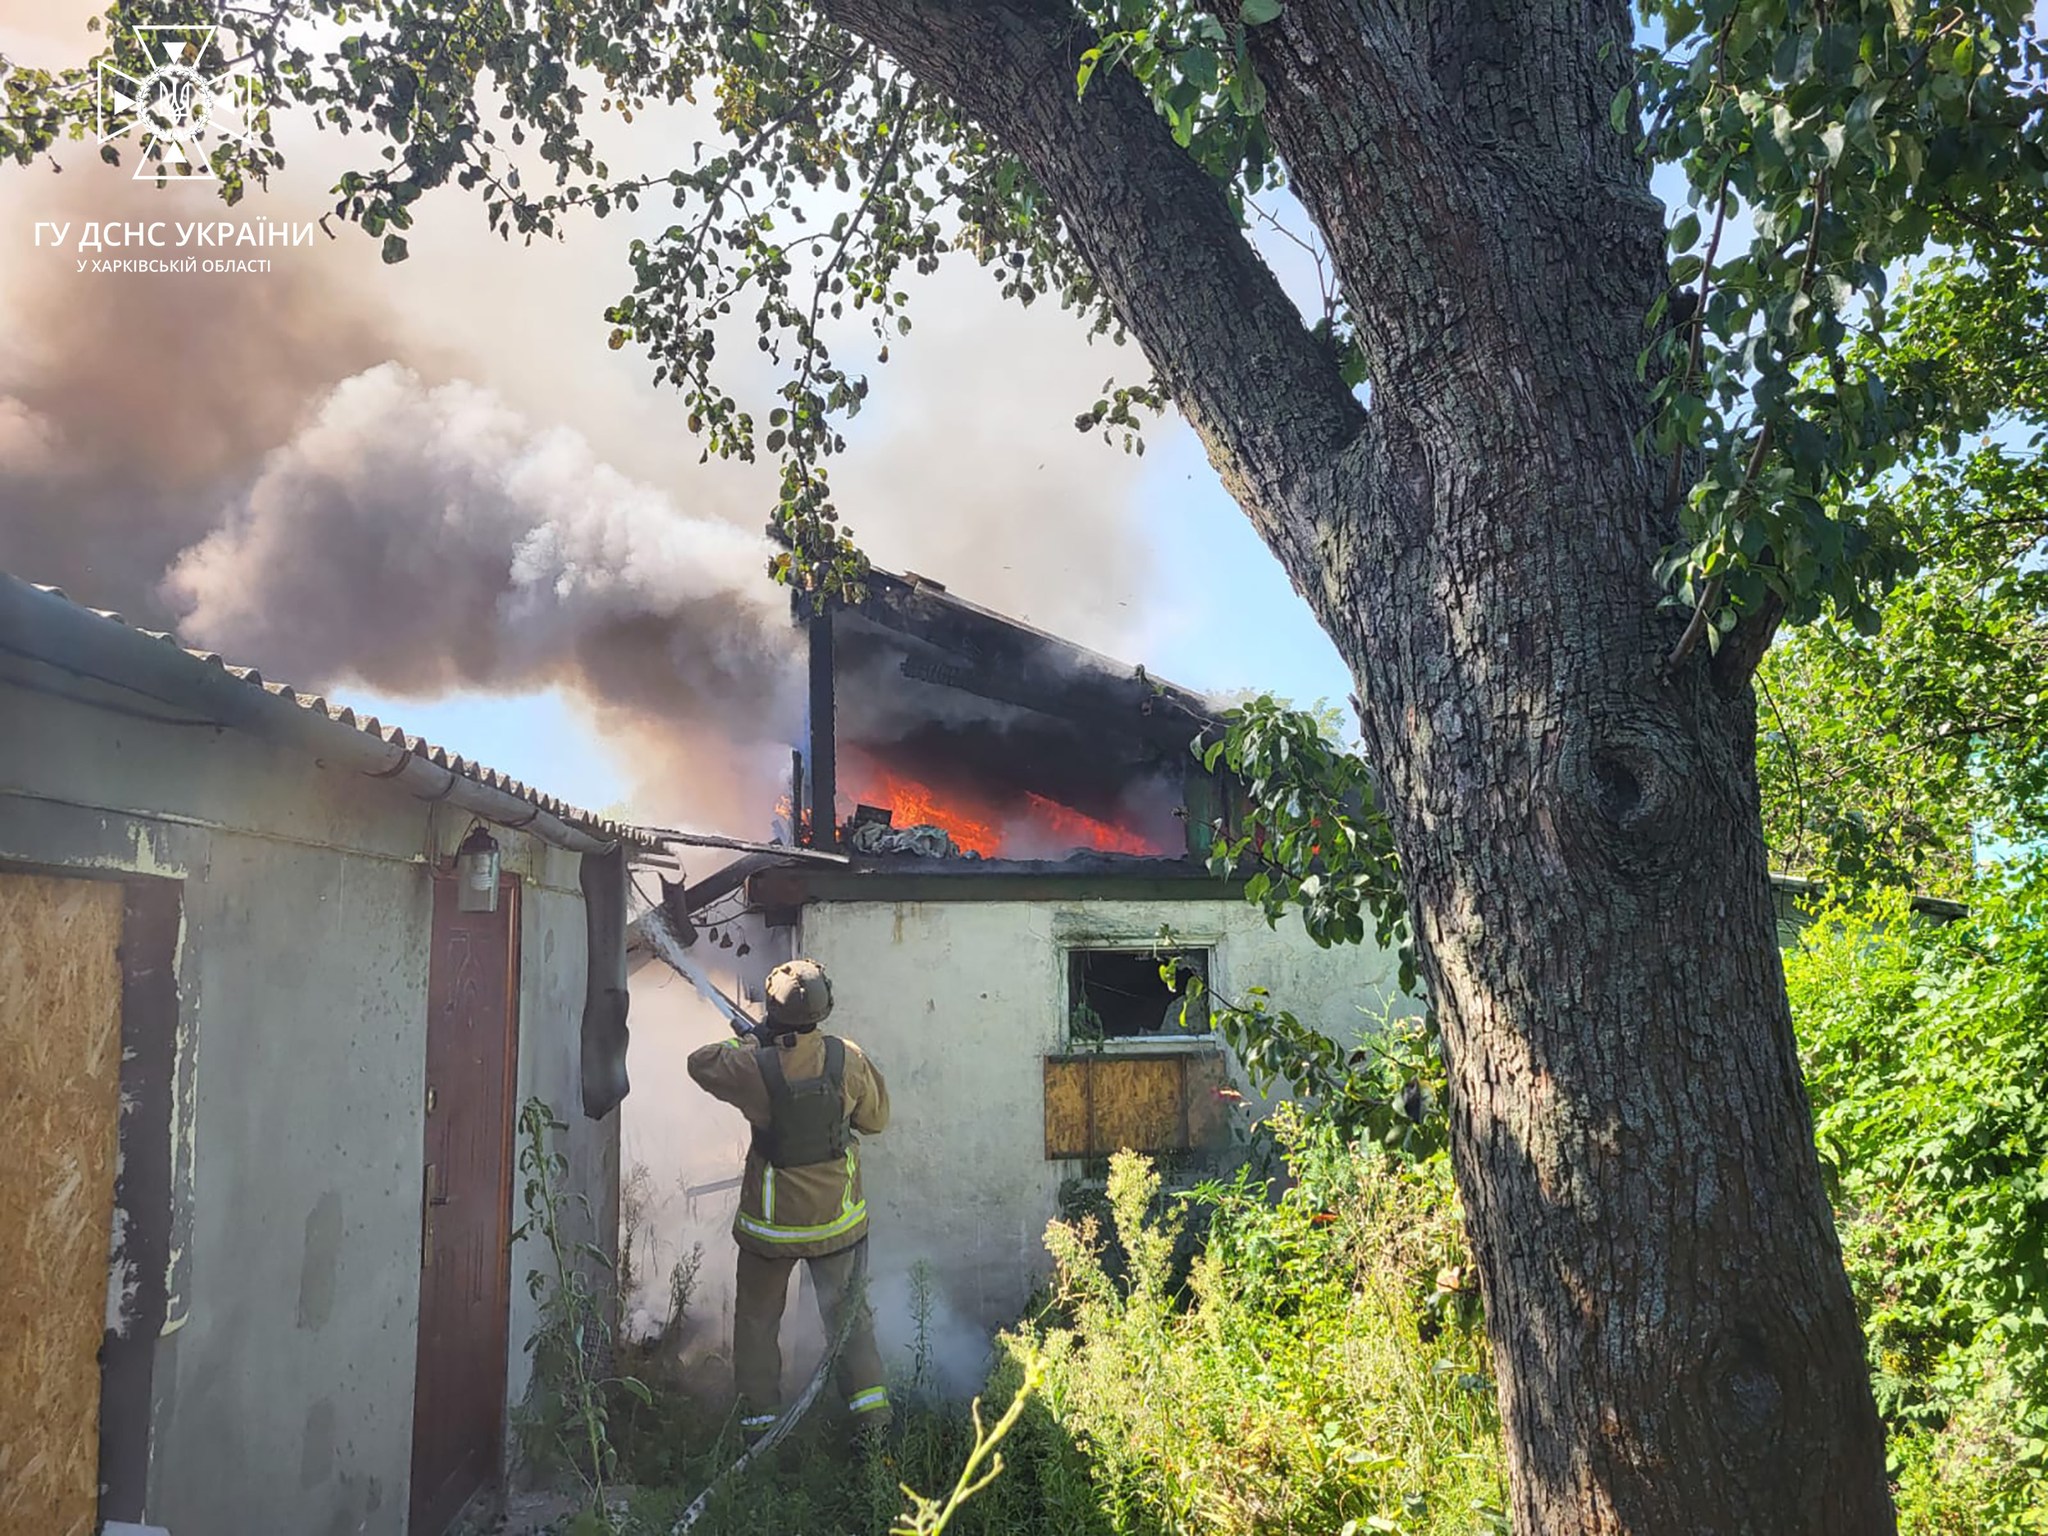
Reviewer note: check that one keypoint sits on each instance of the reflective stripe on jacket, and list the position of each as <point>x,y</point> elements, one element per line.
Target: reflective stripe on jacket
<point>815,1209</point>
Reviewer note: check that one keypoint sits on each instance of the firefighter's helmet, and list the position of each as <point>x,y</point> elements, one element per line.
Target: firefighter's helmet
<point>799,995</point>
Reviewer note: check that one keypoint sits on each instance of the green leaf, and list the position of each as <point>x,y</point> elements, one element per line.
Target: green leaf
<point>394,249</point>
<point>1618,108</point>
<point>1256,13</point>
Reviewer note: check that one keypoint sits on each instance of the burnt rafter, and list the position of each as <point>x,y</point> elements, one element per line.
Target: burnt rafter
<point>1119,703</point>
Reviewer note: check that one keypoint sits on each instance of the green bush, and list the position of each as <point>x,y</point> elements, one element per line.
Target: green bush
<point>1926,1052</point>
<point>1308,1381</point>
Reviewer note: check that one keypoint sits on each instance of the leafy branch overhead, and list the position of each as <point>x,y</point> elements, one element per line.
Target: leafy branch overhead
<point>1824,149</point>
<point>1313,834</point>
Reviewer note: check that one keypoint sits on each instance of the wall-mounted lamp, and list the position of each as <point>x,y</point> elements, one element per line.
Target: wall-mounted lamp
<point>476,872</point>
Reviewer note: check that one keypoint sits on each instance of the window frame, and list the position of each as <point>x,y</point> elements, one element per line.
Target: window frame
<point>1074,951</point>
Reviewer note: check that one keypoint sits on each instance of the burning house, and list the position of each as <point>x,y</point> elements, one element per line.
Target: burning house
<point>999,827</point>
<point>927,711</point>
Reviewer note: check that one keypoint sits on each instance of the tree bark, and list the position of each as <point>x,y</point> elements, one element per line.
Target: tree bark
<point>1677,1348</point>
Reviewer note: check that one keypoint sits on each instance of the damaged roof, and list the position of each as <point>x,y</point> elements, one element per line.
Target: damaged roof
<point>1005,658</point>
<point>144,672</point>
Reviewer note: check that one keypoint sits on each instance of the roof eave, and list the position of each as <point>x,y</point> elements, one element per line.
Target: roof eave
<point>44,625</point>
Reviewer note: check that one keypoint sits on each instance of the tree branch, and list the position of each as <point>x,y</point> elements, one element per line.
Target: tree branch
<point>1267,399</point>
<point>1743,651</point>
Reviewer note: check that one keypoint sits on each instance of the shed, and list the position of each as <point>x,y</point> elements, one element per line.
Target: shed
<point>262,1068</point>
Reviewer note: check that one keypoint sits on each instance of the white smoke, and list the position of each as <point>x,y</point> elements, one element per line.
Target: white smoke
<point>26,437</point>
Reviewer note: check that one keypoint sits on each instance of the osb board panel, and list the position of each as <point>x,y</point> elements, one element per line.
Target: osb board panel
<point>60,1078</point>
<point>1096,1105</point>
<point>1138,1104</point>
<point>1066,1109</point>
<point>1208,1080</point>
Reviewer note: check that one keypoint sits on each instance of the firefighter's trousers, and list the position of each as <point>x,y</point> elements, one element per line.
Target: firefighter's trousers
<point>757,1325</point>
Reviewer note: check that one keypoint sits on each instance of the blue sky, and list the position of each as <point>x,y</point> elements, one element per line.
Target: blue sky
<point>1240,624</point>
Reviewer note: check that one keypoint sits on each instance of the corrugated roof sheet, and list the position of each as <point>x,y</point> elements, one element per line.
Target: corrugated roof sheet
<point>391,735</point>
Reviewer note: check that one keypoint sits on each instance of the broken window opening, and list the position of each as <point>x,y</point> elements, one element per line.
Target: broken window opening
<point>1120,994</point>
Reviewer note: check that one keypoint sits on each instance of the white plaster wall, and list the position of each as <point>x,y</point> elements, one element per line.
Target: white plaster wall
<point>959,1002</point>
<point>552,956</point>
<point>283,1388</point>
<point>287,1390</point>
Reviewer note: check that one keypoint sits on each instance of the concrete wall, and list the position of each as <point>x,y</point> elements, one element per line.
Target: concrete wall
<point>283,1385</point>
<point>958,1003</point>
<point>551,974</point>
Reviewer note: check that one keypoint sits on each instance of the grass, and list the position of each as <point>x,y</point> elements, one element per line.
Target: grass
<point>1317,1370</point>
<point>1320,1372</point>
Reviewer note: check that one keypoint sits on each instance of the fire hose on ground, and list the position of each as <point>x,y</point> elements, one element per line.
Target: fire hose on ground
<point>851,1301</point>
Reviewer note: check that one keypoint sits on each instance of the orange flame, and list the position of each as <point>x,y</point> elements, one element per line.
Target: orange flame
<point>1086,830</point>
<point>918,805</point>
<point>984,827</point>
<point>784,809</point>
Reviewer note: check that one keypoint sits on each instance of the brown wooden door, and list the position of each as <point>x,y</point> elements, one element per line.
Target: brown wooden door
<point>466,1192</point>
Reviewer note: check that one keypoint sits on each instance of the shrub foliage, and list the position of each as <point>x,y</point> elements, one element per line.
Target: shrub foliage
<point>1926,1051</point>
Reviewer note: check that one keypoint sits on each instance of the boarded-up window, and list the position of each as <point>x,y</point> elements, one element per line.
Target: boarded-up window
<point>60,1087</point>
<point>1102,1103</point>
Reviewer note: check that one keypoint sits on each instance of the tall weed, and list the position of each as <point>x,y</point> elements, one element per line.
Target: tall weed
<point>1304,1380</point>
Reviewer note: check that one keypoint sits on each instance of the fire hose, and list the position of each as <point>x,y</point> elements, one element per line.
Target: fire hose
<point>662,934</point>
<point>852,1300</point>
<point>670,949</point>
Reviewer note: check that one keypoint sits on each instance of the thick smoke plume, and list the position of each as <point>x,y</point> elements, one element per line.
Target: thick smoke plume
<point>423,539</point>
<point>132,413</point>
<point>428,538</point>
<point>241,465</point>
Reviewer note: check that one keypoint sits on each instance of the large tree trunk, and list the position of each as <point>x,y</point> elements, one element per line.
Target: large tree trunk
<point>1677,1348</point>
<point>1580,833</point>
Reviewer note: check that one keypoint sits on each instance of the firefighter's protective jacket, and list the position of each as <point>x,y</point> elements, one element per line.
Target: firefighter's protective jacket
<point>802,1212</point>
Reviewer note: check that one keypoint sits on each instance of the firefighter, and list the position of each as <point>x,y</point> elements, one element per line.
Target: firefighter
<point>806,1095</point>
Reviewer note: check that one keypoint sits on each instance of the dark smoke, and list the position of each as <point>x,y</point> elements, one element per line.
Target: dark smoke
<point>280,469</point>
<point>237,462</point>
